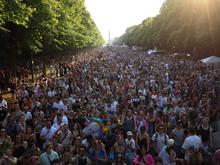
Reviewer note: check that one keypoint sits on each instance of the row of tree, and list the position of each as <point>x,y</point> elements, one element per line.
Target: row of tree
<point>181,25</point>
<point>42,26</point>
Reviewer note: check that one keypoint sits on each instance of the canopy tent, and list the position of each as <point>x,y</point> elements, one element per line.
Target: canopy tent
<point>211,60</point>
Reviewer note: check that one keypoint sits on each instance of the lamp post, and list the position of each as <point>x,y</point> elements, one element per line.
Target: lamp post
<point>32,68</point>
<point>174,47</point>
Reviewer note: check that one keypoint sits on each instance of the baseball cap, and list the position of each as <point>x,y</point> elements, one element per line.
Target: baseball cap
<point>170,142</point>
<point>129,133</point>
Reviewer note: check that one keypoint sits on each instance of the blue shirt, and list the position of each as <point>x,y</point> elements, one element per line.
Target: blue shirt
<point>46,159</point>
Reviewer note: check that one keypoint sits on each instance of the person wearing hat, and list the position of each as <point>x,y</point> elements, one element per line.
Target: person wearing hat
<point>167,154</point>
<point>130,148</point>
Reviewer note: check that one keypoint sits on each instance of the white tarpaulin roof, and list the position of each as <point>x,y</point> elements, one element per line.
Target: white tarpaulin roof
<point>211,60</point>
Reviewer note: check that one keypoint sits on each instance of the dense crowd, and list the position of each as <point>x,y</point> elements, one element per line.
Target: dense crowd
<point>114,106</point>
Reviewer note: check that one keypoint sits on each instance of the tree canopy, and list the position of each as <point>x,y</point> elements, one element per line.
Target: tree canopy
<point>185,25</point>
<point>30,26</point>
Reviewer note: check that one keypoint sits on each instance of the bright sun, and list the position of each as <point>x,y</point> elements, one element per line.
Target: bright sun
<point>116,15</point>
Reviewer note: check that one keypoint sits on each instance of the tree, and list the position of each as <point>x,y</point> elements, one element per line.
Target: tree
<point>185,24</point>
<point>43,26</point>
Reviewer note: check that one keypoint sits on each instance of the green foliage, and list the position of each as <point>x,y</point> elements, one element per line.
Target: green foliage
<point>185,24</point>
<point>34,26</point>
<point>14,11</point>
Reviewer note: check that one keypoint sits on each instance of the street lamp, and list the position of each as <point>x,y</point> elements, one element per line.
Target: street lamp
<point>32,68</point>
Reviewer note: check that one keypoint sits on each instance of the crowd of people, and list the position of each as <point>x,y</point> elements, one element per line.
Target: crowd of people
<point>114,106</point>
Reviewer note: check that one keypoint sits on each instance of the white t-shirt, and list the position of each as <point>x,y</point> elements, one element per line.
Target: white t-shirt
<point>56,126</point>
<point>70,101</point>
<point>48,133</point>
<point>28,116</point>
<point>51,93</point>
<point>162,100</point>
<point>59,105</point>
<point>160,140</point>
<point>130,145</point>
<point>3,104</point>
<point>191,141</point>
<point>64,120</point>
<point>114,106</point>
<point>23,94</point>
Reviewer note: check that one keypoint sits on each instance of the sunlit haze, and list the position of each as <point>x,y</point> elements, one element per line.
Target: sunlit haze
<point>116,15</point>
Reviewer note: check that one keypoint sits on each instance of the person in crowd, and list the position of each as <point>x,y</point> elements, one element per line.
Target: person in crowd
<point>168,154</point>
<point>20,146</point>
<point>129,102</point>
<point>49,156</point>
<point>143,158</point>
<point>119,146</point>
<point>159,139</point>
<point>129,122</point>
<point>119,160</point>
<point>216,157</point>
<point>130,148</point>
<point>5,141</point>
<point>3,103</point>
<point>178,136</point>
<point>81,158</point>
<point>65,136</point>
<point>47,133</point>
<point>192,145</point>
<point>143,139</point>
<point>100,154</point>
<point>8,159</point>
<point>205,132</point>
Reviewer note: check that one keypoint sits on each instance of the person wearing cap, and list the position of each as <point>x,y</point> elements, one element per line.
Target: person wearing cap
<point>167,153</point>
<point>130,148</point>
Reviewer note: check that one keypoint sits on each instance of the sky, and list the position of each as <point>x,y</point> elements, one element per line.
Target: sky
<point>117,15</point>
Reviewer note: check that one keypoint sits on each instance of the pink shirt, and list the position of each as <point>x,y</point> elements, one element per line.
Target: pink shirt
<point>148,160</point>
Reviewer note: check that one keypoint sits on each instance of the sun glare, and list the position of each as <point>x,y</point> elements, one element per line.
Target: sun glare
<point>115,16</point>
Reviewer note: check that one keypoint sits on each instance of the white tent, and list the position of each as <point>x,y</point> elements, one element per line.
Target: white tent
<point>211,60</point>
